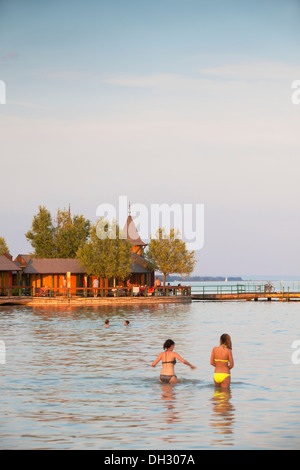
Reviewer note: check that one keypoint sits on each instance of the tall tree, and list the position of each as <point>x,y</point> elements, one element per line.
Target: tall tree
<point>41,235</point>
<point>60,238</point>
<point>3,246</point>
<point>70,233</point>
<point>105,254</point>
<point>168,254</point>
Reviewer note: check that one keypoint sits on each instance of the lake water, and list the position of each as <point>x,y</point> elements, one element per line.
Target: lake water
<point>69,383</point>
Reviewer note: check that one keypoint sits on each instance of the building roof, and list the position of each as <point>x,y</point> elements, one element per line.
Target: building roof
<point>62,266</point>
<point>53,266</point>
<point>50,266</point>
<point>22,260</point>
<point>139,265</point>
<point>132,233</point>
<point>7,265</point>
<point>137,268</point>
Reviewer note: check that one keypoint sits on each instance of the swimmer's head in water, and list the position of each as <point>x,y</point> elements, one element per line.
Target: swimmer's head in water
<point>168,343</point>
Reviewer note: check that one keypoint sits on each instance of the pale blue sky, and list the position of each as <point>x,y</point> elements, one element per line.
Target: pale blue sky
<point>163,101</point>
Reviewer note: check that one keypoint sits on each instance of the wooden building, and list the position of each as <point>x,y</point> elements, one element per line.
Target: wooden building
<point>58,274</point>
<point>8,273</point>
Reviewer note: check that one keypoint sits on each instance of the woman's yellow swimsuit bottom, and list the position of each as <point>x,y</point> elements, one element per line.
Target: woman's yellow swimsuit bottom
<point>218,377</point>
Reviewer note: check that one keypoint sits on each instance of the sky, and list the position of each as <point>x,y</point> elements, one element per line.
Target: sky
<point>163,101</point>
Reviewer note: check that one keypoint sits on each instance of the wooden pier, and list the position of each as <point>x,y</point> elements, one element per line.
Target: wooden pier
<point>94,296</point>
<point>248,296</point>
<point>95,301</point>
<point>239,292</point>
<point>244,292</point>
<point>15,300</point>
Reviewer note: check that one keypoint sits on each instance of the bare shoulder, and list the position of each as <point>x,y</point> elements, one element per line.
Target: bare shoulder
<point>175,354</point>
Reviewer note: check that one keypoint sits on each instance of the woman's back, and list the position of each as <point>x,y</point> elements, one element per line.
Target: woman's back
<point>168,360</point>
<point>221,358</point>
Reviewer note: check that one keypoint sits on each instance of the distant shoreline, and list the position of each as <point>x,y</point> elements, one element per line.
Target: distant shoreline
<point>253,279</point>
<point>200,278</point>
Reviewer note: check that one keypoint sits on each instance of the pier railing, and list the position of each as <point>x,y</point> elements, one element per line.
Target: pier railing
<point>118,291</point>
<point>246,291</point>
<point>221,289</point>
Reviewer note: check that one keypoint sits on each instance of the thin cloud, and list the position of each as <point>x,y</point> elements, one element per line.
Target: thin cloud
<point>10,55</point>
<point>253,71</point>
<point>163,81</point>
<point>64,74</point>
<point>26,104</point>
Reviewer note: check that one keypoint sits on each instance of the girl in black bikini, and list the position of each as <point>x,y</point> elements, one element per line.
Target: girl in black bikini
<point>168,358</point>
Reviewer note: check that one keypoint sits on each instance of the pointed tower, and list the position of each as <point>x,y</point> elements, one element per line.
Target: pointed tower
<point>133,235</point>
<point>140,273</point>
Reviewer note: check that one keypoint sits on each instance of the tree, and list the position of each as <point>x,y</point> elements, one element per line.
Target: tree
<point>106,254</point>
<point>60,238</point>
<point>41,235</point>
<point>70,233</point>
<point>168,254</point>
<point>3,246</point>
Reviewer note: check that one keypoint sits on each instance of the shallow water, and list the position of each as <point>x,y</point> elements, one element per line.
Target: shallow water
<point>70,383</point>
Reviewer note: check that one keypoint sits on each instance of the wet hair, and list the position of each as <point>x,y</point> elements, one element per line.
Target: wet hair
<point>168,343</point>
<point>226,340</point>
<point>127,322</point>
<point>106,322</point>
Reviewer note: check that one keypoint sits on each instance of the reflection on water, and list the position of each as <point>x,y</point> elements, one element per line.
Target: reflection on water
<point>170,413</point>
<point>70,383</point>
<point>223,417</point>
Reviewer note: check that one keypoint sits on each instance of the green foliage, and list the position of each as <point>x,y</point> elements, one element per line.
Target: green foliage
<point>3,246</point>
<point>70,234</point>
<point>41,235</point>
<point>60,240</point>
<point>167,253</point>
<point>106,254</point>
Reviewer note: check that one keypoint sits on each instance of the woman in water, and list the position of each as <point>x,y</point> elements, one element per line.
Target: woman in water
<point>168,358</point>
<point>222,360</point>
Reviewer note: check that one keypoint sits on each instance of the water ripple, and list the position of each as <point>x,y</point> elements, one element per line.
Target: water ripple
<point>70,383</point>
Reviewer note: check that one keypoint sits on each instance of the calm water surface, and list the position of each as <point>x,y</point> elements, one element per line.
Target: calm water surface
<point>70,383</point>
